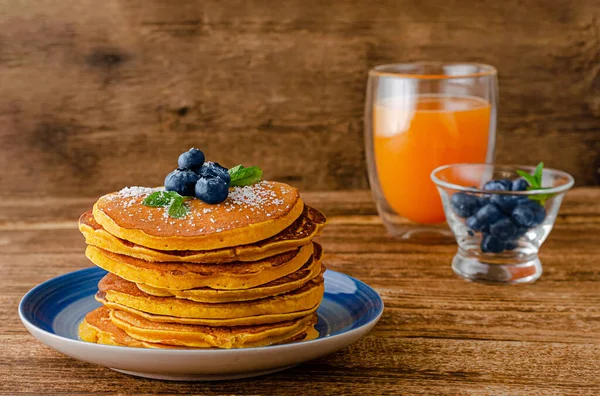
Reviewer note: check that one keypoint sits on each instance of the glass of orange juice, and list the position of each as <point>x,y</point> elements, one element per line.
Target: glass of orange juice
<point>419,116</point>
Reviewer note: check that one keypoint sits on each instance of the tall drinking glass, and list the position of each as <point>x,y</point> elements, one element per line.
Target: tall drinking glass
<point>419,116</point>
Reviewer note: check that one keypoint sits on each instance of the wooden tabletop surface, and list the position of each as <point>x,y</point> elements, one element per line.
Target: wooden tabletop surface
<point>438,334</point>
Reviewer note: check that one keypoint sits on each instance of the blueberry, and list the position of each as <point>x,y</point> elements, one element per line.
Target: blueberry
<point>192,159</point>
<point>464,205</point>
<point>488,215</point>
<point>213,169</point>
<point>483,200</point>
<point>474,224</point>
<point>539,212</point>
<point>511,245</point>
<point>498,185</point>
<point>508,183</point>
<point>529,214</point>
<point>523,216</point>
<point>520,185</point>
<point>212,190</point>
<point>491,244</point>
<point>521,231</point>
<point>181,181</point>
<point>506,202</point>
<point>503,229</point>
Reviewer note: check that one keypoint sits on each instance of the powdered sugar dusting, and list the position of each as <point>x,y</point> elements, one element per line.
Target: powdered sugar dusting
<point>136,192</point>
<point>129,196</point>
<point>256,195</point>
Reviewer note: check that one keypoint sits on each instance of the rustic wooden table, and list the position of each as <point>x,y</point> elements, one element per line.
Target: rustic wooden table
<point>438,334</point>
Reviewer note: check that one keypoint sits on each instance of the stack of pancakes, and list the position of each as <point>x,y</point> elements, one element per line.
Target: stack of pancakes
<point>242,273</point>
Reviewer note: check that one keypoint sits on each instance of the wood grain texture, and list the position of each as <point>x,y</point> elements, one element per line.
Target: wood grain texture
<point>98,95</point>
<point>438,334</point>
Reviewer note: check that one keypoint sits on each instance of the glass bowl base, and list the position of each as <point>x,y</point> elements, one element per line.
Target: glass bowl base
<point>472,269</point>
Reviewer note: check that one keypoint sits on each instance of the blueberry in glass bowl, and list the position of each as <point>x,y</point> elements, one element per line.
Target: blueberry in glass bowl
<point>500,216</point>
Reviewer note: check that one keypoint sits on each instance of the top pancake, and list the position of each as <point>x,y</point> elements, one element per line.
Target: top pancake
<point>249,214</point>
<point>308,226</point>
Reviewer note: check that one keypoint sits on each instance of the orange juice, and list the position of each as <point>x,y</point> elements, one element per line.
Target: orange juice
<point>413,135</point>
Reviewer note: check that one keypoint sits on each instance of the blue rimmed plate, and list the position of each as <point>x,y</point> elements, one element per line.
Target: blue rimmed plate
<point>53,310</point>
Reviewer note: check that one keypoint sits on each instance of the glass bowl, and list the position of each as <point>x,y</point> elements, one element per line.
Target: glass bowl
<point>499,233</point>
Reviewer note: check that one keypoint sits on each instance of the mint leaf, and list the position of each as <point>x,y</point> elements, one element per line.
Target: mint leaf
<point>535,183</point>
<point>241,176</point>
<point>235,169</point>
<point>171,201</point>
<point>178,209</point>
<point>530,179</point>
<point>541,198</point>
<point>159,198</point>
<point>539,170</point>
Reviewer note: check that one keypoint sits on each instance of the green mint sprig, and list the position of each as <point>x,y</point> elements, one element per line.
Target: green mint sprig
<point>535,183</point>
<point>241,176</point>
<point>170,200</point>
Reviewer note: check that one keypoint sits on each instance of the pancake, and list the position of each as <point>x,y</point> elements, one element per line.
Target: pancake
<point>249,214</point>
<point>310,270</point>
<point>97,327</point>
<point>120,291</point>
<point>308,226</point>
<point>220,337</point>
<point>247,321</point>
<point>183,276</point>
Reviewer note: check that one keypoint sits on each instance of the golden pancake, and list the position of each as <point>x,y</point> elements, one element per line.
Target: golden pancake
<point>249,214</point>
<point>247,321</point>
<point>120,291</point>
<point>308,226</point>
<point>220,337</point>
<point>310,270</point>
<point>183,276</point>
<point>311,334</point>
<point>98,328</point>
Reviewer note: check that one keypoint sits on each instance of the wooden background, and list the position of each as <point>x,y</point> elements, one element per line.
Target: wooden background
<point>95,95</point>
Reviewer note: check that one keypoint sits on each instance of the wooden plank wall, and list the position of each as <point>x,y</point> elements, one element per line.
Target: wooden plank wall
<point>95,95</point>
